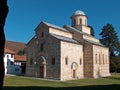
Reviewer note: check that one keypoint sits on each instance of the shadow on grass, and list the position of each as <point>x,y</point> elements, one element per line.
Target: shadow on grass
<point>94,87</point>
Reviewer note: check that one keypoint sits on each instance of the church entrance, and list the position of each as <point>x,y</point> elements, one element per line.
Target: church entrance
<point>41,71</point>
<point>74,68</point>
<point>41,67</point>
<point>74,73</point>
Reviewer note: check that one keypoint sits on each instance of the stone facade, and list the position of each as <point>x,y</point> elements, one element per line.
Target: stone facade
<point>66,53</point>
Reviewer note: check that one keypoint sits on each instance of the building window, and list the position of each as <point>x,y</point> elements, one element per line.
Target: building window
<point>99,59</point>
<point>31,61</point>
<point>96,58</point>
<point>80,61</point>
<point>80,21</point>
<point>103,59</point>
<point>106,59</point>
<point>11,63</point>
<point>53,60</point>
<point>74,22</point>
<point>7,56</point>
<point>85,22</point>
<point>11,55</point>
<point>42,34</point>
<point>66,60</point>
<point>42,47</point>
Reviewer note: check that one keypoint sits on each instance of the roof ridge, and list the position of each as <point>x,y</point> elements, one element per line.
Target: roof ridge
<point>55,26</point>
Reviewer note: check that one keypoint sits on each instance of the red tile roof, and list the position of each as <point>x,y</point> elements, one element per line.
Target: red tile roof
<point>8,51</point>
<point>20,58</point>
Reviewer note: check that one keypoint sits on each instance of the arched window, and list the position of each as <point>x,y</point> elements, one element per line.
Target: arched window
<point>85,22</point>
<point>96,61</point>
<point>31,61</point>
<point>66,60</point>
<point>42,34</point>
<point>53,60</point>
<point>80,21</point>
<point>99,59</point>
<point>42,47</point>
<point>80,61</point>
<point>103,59</point>
<point>74,22</point>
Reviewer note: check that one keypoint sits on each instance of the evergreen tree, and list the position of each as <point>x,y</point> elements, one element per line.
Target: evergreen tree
<point>110,39</point>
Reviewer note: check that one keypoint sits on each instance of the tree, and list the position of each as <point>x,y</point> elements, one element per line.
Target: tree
<point>115,64</point>
<point>21,52</point>
<point>110,39</point>
<point>3,15</point>
<point>92,30</point>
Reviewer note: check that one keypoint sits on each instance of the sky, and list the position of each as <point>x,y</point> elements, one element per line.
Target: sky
<point>25,15</point>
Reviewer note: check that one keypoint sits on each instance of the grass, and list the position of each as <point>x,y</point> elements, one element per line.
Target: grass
<point>22,83</point>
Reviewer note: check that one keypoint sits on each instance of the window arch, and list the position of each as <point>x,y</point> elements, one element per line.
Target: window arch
<point>74,22</point>
<point>42,47</point>
<point>80,21</point>
<point>66,60</point>
<point>80,61</point>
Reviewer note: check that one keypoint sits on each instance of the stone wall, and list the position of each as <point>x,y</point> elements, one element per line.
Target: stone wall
<point>88,60</point>
<point>60,32</point>
<point>100,61</point>
<point>53,51</point>
<point>73,53</point>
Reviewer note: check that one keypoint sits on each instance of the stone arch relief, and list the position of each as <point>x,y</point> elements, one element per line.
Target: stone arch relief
<point>74,67</point>
<point>41,66</point>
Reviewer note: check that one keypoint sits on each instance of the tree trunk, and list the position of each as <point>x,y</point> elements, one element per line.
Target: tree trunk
<point>3,14</point>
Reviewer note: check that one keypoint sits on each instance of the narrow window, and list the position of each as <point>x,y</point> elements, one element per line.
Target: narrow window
<point>31,61</point>
<point>66,60</point>
<point>99,60</point>
<point>42,34</point>
<point>96,58</point>
<point>85,22</point>
<point>7,56</point>
<point>42,47</point>
<point>11,55</point>
<point>103,59</point>
<point>80,21</point>
<point>53,60</point>
<point>106,59</point>
<point>74,22</point>
<point>80,61</point>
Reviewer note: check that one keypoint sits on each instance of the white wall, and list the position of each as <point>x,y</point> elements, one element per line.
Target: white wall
<point>10,66</point>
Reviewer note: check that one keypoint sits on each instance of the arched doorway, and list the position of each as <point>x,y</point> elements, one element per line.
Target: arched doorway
<point>74,67</point>
<point>42,67</point>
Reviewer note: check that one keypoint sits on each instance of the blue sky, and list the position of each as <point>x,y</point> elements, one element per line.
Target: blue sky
<point>25,15</point>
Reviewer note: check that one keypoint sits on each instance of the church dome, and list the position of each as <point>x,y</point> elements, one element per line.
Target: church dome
<point>79,12</point>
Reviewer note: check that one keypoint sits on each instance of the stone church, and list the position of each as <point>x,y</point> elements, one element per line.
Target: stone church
<point>66,53</point>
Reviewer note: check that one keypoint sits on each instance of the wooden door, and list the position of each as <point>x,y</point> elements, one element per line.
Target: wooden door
<point>74,73</point>
<point>41,71</point>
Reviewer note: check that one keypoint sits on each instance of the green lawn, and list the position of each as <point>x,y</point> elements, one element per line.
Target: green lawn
<point>22,83</point>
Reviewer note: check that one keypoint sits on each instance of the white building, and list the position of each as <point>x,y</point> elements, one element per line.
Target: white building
<point>12,66</point>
